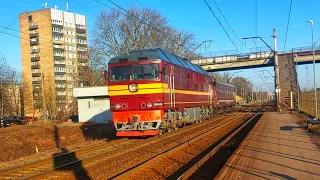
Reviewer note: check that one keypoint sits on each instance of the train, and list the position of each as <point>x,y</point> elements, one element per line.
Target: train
<point>152,91</point>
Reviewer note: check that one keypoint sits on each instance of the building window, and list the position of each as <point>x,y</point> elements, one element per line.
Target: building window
<point>58,38</point>
<point>80,41</point>
<point>79,26</point>
<point>54,29</point>
<point>53,21</point>
<point>82,49</point>
<point>60,77</point>
<point>59,69</point>
<point>82,56</point>
<point>58,53</point>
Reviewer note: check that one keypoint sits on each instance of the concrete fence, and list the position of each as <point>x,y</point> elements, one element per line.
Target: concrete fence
<point>307,103</point>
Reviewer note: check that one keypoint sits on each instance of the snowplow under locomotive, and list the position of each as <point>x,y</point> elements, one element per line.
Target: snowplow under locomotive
<point>152,91</point>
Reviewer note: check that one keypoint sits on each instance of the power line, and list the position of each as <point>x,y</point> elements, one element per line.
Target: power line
<point>22,32</point>
<point>19,37</point>
<point>148,9</point>
<point>228,34</point>
<point>285,41</point>
<point>221,25</point>
<point>14,35</point>
<point>228,22</point>
<point>137,18</point>
<point>256,19</point>
<point>141,4</point>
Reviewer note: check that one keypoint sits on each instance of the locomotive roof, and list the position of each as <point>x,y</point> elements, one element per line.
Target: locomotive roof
<point>158,54</point>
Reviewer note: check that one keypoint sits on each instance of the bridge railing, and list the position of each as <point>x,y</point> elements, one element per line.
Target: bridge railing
<point>253,54</point>
<point>232,56</point>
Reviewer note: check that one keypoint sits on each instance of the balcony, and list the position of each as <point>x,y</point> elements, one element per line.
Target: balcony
<point>58,57</point>
<point>56,33</point>
<point>82,60</point>
<point>36,82</point>
<point>60,73</point>
<point>57,26</point>
<point>82,37</point>
<point>37,98</point>
<point>59,65</point>
<point>82,31</point>
<point>33,27</point>
<point>56,41</point>
<point>34,43</point>
<point>37,90</point>
<point>34,35</point>
<point>37,66</point>
<point>37,105</point>
<point>35,59</point>
<point>60,81</point>
<point>60,88</point>
<point>58,48</point>
<point>82,49</point>
<point>82,45</point>
<point>61,97</point>
<point>36,74</point>
<point>32,51</point>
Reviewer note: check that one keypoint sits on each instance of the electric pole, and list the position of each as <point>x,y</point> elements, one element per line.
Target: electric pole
<point>276,68</point>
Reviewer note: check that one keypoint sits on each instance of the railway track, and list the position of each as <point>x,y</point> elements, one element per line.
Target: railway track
<point>182,161</point>
<point>30,169</point>
<point>64,160</point>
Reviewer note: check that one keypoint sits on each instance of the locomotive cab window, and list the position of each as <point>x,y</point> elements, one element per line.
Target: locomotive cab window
<point>146,71</point>
<point>121,73</point>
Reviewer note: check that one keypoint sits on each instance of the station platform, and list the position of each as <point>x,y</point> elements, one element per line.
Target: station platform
<point>276,148</point>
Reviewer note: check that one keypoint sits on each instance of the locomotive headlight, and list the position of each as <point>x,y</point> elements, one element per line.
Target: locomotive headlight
<point>158,104</point>
<point>118,106</point>
<point>149,105</point>
<point>133,88</point>
<point>143,105</point>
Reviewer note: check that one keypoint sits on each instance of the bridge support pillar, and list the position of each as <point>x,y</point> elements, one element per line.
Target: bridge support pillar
<point>288,82</point>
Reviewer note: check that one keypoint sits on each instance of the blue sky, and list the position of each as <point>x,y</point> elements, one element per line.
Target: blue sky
<point>195,17</point>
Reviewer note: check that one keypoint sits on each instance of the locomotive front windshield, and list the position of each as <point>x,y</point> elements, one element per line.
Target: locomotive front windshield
<point>134,72</point>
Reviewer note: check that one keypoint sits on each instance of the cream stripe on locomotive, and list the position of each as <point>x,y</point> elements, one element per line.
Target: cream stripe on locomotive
<point>153,88</point>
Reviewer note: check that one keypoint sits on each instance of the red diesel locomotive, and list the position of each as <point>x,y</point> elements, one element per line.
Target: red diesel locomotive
<point>152,91</point>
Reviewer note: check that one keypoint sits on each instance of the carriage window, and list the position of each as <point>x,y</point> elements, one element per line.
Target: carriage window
<point>146,71</point>
<point>188,75</point>
<point>121,73</point>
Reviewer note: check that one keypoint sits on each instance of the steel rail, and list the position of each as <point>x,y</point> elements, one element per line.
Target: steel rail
<point>38,168</point>
<point>198,164</point>
<point>128,172</point>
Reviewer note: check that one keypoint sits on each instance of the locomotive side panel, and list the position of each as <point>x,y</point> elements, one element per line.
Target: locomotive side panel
<point>152,91</point>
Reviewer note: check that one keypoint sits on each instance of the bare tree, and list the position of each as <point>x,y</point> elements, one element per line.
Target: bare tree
<point>222,77</point>
<point>10,83</point>
<point>49,95</point>
<point>115,33</point>
<point>244,87</point>
<point>95,75</point>
<point>13,91</point>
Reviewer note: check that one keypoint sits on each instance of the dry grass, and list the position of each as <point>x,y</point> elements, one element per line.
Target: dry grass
<point>18,143</point>
<point>302,120</point>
